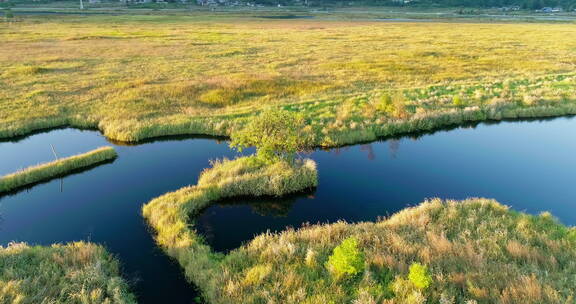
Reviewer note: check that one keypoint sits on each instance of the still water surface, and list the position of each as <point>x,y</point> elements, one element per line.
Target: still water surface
<point>527,165</point>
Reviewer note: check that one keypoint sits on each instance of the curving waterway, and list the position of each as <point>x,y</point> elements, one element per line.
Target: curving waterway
<point>529,165</point>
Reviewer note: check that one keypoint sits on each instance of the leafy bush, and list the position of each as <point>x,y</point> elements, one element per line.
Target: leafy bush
<point>276,134</point>
<point>393,105</point>
<point>347,259</point>
<point>457,101</point>
<point>385,104</point>
<point>419,276</point>
<point>8,14</point>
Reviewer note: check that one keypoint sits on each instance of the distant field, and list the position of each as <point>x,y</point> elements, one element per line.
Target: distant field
<point>139,76</point>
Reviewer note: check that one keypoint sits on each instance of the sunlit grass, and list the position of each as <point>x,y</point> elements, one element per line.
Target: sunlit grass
<point>136,77</point>
<point>440,251</point>
<point>169,214</point>
<point>472,251</point>
<point>80,273</point>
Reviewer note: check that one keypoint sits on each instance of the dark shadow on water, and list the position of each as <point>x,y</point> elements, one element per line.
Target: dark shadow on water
<point>60,176</point>
<point>166,138</point>
<point>163,138</point>
<point>465,125</point>
<point>18,138</point>
<point>270,207</point>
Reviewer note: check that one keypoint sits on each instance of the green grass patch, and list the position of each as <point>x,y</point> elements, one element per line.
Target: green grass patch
<point>60,167</point>
<point>75,273</point>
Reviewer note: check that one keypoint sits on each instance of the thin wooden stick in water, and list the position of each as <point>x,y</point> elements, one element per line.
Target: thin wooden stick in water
<point>54,151</point>
<point>57,168</point>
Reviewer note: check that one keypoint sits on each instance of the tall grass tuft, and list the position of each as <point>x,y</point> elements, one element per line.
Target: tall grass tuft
<point>436,252</point>
<point>75,273</point>
<point>56,168</point>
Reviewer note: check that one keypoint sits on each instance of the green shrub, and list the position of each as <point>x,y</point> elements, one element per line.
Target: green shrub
<point>276,134</point>
<point>457,101</point>
<point>347,259</point>
<point>8,14</point>
<point>394,106</point>
<point>572,234</point>
<point>385,104</point>
<point>419,276</point>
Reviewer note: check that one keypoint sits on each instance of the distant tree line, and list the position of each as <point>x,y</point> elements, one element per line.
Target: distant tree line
<point>522,4</point>
<point>567,5</point>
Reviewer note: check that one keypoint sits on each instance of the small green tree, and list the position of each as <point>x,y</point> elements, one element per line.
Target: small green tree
<point>393,105</point>
<point>457,101</point>
<point>419,276</point>
<point>8,14</point>
<point>385,104</point>
<point>346,260</point>
<point>276,134</point>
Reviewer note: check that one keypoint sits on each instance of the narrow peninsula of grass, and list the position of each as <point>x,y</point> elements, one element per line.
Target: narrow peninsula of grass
<point>73,273</point>
<point>56,168</point>
<point>171,215</point>
<point>472,251</point>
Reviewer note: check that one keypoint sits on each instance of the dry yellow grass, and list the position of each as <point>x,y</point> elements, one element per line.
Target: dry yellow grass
<point>141,76</point>
<point>79,273</point>
<point>477,251</point>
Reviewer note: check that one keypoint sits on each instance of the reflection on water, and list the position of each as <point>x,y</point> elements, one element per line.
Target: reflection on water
<point>103,204</point>
<point>60,179</point>
<point>393,147</point>
<point>527,165</point>
<point>241,212</point>
<point>369,151</point>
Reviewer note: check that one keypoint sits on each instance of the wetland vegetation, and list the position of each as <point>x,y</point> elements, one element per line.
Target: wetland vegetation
<point>284,86</point>
<point>59,167</point>
<point>529,260</point>
<point>79,273</point>
<point>141,76</point>
<point>169,214</point>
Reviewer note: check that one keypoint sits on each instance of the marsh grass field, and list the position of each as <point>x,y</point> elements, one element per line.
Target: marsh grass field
<point>77,272</point>
<point>141,76</point>
<point>348,80</point>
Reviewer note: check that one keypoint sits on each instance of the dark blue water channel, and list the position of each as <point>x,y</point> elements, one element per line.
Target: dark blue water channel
<point>530,166</point>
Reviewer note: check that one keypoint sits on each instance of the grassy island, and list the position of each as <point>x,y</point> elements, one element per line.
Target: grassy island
<point>472,251</point>
<point>60,167</point>
<point>171,215</point>
<point>208,73</point>
<point>75,273</point>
